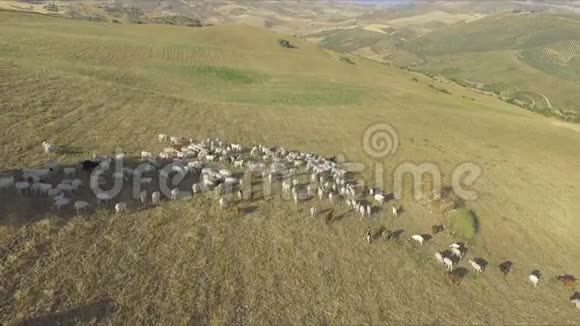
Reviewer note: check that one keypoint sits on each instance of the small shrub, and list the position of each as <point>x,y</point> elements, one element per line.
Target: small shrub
<point>346,60</point>
<point>415,79</point>
<point>463,222</point>
<point>285,44</point>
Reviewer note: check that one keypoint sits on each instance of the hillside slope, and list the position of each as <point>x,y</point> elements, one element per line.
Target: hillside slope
<point>95,87</point>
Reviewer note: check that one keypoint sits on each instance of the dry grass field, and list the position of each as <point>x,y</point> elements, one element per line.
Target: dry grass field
<point>94,87</point>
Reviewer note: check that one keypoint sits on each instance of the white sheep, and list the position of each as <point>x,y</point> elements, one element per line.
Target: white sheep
<point>395,211</point>
<point>195,188</point>
<point>49,148</point>
<point>143,197</point>
<point>576,302</point>
<point>448,263</point>
<point>6,183</point>
<point>457,253</point>
<point>369,235</point>
<point>174,193</point>
<point>36,174</point>
<point>81,205</point>
<point>69,172</point>
<point>379,198</point>
<point>314,211</point>
<point>534,279</point>
<point>418,238</point>
<point>60,202</point>
<point>21,187</point>
<point>163,137</point>
<point>223,203</point>
<point>439,257</point>
<point>320,193</point>
<point>369,210</point>
<point>362,210</point>
<point>477,267</point>
<point>156,198</point>
<point>66,188</point>
<point>76,184</point>
<point>146,155</point>
<point>53,192</point>
<point>120,207</point>
<point>239,163</point>
<point>455,245</point>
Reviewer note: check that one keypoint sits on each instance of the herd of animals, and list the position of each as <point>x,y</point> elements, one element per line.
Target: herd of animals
<point>202,160</point>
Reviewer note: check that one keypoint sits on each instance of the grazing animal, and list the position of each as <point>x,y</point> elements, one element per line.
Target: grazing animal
<point>120,207</point>
<point>60,202</point>
<point>163,138</point>
<point>448,263</point>
<point>314,211</point>
<point>362,210</point>
<point>369,235</point>
<point>174,193</point>
<point>146,155</point>
<point>80,206</point>
<point>417,238</point>
<point>369,210</point>
<point>505,267</point>
<point>156,198</point>
<point>575,299</point>
<point>143,197</point>
<point>437,229</point>
<point>395,212</point>
<point>49,148</point>
<point>567,280</point>
<point>379,198</point>
<point>21,186</point>
<point>457,253</point>
<point>454,278</point>
<point>222,202</point>
<point>439,257</point>
<point>456,245</point>
<point>6,182</point>
<point>195,188</point>
<point>477,267</point>
<point>534,279</point>
<point>69,172</point>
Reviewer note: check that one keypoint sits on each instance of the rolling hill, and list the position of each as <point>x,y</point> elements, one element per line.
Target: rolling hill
<point>92,88</point>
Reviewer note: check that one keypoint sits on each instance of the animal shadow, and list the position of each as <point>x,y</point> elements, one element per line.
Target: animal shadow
<point>426,237</point>
<point>537,273</point>
<point>68,149</point>
<point>96,312</point>
<point>395,235</point>
<point>249,209</point>
<point>575,296</point>
<point>377,235</point>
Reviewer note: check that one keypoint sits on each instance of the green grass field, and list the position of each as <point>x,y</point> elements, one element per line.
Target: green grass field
<point>500,50</point>
<point>94,87</point>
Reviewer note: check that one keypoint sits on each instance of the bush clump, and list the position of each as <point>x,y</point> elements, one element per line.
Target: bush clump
<point>463,222</point>
<point>285,44</point>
